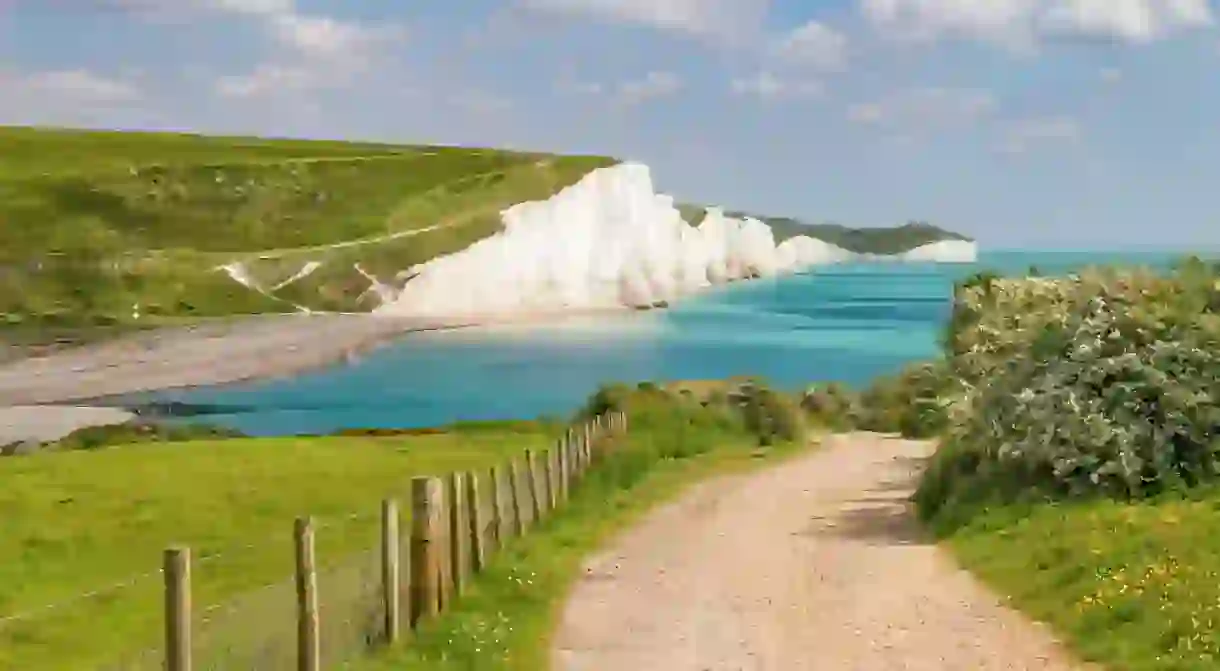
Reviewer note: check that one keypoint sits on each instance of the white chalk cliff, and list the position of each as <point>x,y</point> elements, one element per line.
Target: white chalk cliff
<point>610,240</point>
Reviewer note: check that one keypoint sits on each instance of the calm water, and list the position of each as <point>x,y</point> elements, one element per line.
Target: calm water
<point>845,323</point>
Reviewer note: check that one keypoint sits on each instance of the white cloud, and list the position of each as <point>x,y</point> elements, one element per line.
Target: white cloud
<point>325,37</point>
<point>999,21</point>
<point>696,17</point>
<point>924,110</point>
<point>1135,21</point>
<point>655,84</point>
<point>320,51</point>
<point>1021,24</point>
<point>1021,136</point>
<point>767,86</point>
<point>68,97</point>
<point>76,85</point>
<point>311,35</point>
<point>814,44</point>
<point>269,78</point>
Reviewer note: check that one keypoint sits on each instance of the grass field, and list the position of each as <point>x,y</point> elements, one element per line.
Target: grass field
<point>26,152</point>
<point>75,521</point>
<point>103,228</point>
<point>1135,587</point>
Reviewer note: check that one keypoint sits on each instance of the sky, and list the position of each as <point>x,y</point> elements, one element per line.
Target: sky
<point>1043,124</point>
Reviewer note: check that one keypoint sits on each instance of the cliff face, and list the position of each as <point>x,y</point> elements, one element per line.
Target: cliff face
<point>610,240</point>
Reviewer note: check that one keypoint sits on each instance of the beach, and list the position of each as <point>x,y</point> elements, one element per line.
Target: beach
<point>43,398</point>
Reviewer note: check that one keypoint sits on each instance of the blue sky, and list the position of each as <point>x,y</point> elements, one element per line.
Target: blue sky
<point>1026,123</point>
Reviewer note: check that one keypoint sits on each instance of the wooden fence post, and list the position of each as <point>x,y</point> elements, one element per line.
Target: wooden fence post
<point>425,556</point>
<point>569,456</point>
<point>561,455</point>
<point>514,497</point>
<point>531,473</point>
<point>477,530</point>
<point>552,485</point>
<point>456,496</point>
<point>308,639</point>
<point>177,574</point>
<point>497,508</point>
<point>389,567</point>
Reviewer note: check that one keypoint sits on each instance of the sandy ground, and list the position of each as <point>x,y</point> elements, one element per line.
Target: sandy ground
<point>212,353</point>
<point>37,424</point>
<point>206,354</point>
<point>812,565</point>
<point>221,352</point>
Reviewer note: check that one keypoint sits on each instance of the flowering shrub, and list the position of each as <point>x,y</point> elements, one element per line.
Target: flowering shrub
<point>1107,382</point>
<point>832,405</point>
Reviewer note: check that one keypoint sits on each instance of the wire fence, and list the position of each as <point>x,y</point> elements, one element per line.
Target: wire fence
<point>306,600</point>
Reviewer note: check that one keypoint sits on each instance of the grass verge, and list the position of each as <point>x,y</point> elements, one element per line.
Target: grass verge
<point>1132,586</point>
<point>506,617</point>
<point>74,521</point>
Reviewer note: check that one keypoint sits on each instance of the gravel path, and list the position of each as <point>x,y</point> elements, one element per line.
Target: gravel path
<point>813,565</point>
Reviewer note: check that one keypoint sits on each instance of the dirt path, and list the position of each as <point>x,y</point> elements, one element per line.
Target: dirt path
<point>813,565</point>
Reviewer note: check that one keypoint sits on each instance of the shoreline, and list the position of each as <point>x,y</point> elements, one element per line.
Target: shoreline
<point>44,398</point>
<point>215,354</point>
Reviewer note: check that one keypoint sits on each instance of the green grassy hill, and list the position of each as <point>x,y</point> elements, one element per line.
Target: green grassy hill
<point>94,223</point>
<point>879,240</point>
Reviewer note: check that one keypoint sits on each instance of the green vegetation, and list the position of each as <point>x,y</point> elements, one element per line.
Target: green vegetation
<point>1079,457</point>
<point>26,151</point>
<point>78,520</point>
<point>131,433</point>
<point>505,619</point>
<point>1134,586</point>
<point>114,229</point>
<point>1101,384</point>
<point>880,240</point>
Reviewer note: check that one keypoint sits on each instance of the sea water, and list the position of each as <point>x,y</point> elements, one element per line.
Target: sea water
<point>848,323</point>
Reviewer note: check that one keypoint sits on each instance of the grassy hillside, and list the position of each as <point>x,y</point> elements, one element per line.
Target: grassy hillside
<point>93,224</point>
<point>882,240</point>
<point>79,520</point>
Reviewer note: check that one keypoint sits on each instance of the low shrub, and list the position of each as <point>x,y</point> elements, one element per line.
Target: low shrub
<point>770,416</point>
<point>911,403</point>
<point>831,405</point>
<point>97,437</point>
<point>1102,384</point>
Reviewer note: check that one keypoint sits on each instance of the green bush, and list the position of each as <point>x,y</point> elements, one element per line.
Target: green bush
<point>769,416</point>
<point>831,405</point>
<point>911,403</point>
<point>1100,384</point>
<point>139,431</point>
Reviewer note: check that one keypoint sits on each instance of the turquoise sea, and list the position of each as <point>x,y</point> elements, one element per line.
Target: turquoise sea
<point>847,323</point>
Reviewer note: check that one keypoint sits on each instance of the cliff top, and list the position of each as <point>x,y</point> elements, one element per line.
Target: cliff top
<point>871,240</point>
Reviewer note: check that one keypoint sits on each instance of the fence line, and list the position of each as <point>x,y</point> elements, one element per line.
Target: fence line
<point>370,597</point>
<point>405,578</point>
